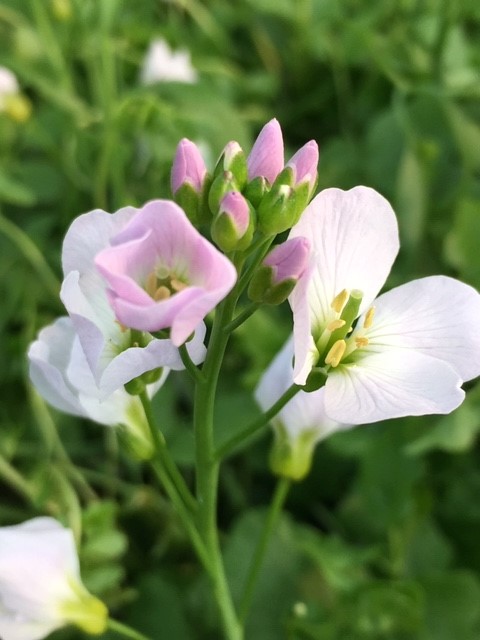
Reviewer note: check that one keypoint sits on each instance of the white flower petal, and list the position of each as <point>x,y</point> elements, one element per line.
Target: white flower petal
<point>15,627</point>
<point>354,237</point>
<point>305,411</point>
<point>437,316</point>
<point>49,356</point>
<point>391,384</point>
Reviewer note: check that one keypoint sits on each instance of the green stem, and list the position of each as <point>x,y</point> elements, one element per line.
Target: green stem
<point>192,369</point>
<point>16,481</point>
<point>275,509</point>
<point>230,445</point>
<point>207,466</point>
<point>263,247</point>
<point>125,631</point>
<point>165,457</point>
<point>240,319</point>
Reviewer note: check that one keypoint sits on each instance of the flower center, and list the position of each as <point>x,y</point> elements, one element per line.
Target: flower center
<point>161,283</point>
<point>334,344</point>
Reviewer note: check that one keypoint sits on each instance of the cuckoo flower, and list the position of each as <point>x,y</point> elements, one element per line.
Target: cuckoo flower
<point>40,584</point>
<point>300,424</point>
<point>60,372</point>
<point>114,354</point>
<point>405,353</point>
<point>162,273</point>
<point>266,157</point>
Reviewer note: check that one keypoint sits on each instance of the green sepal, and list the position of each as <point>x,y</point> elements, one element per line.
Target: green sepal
<point>136,386</point>
<point>292,458</point>
<point>221,185</point>
<point>189,200</point>
<point>237,165</point>
<point>225,234</point>
<point>316,380</point>
<point>277,211</point>
<point>261,281</point>
<point>255,190</point>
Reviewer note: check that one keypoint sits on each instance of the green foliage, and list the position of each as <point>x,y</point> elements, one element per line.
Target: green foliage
<point>381,540</point>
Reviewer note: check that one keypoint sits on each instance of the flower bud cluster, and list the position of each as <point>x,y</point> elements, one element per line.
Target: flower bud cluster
<point>245,194</point>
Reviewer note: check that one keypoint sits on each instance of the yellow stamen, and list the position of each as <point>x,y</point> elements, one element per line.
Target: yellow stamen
<point>340,300</point>
<point>151,284</point>
<point>178,285</point>
<point>367,323</point>
<point>336,353</point>
<point>361,342</point>
<point>162,293</point>
<point>335,324</point>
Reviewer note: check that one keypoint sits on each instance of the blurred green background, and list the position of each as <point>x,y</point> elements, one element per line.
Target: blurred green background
<point>382,539</point>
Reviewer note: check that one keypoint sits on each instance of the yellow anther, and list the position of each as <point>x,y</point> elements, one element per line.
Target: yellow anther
<point>162,293</point>
<point>361,342</point>
<point>151,284</point>
<point>178,285</point>
<point>367,323</point>
<point>335,324</point>
<point>340,300</point>
<point>336,353</point>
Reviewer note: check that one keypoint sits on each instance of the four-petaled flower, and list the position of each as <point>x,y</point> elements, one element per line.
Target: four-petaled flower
<point>40,585</point>
<point>405,353</point>
<point>162,273</point>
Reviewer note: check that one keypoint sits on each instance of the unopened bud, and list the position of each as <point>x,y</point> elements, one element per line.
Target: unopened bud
<point>189,180</point>
<point>222,184</point>
<point>304,165</point>
<point>292,457</point>
<point>233,159</point>
<point>277,210</point>
<point>232,228</point>
<point>255,190</point>
<point>280,271</point>
<point>266,156</point>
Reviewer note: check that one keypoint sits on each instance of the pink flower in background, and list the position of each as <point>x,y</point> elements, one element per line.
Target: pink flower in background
<point>405,353</point>
<point>162,273</point>
<point>115,356</point>
<point>40,584</point>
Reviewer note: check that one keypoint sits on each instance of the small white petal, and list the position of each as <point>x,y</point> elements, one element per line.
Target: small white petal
<point>391,384</point>
<point>437,316</point>
<point>17,627</point>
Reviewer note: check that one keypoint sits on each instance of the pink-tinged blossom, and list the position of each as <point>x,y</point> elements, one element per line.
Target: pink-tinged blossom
<point>266,156</point>
<point>114,356</point>
<point>410,349</point>
<point>289,260</point>
<point>304,164</point>
<point>161,273</point>
<point>61,374</point>
<point>40,584</point>
<point>188,167</point>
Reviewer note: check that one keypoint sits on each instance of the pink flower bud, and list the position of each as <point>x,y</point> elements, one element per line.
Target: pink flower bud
<point>188,166</point>
<point>304,164</point>
<point>234,205</point>
<point>289,260</point>
<point>266,156</point>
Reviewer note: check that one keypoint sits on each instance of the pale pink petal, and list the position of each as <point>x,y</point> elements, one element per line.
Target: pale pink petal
<point>266,156</point>
<point>391,384</point>
<point>437,316</point>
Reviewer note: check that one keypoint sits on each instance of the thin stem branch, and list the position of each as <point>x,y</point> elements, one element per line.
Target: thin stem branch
<point>242,316</point>
<point>125,631</point>
<point>166,459</point>
<point>263,247</point>
<point>192,368</point>
<point>230,445</point>
<point>16,480</point>
<point>275,509</point>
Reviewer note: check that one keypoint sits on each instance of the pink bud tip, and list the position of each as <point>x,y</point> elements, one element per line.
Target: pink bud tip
<point>304,164</point>
<point>266,156</point>
<point>289,259</point>
<point>188,166</point>
<point>234,205</point>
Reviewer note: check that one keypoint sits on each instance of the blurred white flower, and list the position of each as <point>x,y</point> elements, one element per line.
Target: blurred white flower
<point>8,86</point>
<point>40,585</point>
<point>161,64</point>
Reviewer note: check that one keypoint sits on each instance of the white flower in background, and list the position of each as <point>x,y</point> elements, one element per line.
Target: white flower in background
<point>8,86</point>
<point>40,585</point>
<point>161,64</point>
<point>302,422</point>
<point>410,350</point>
<point>60,372</point>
